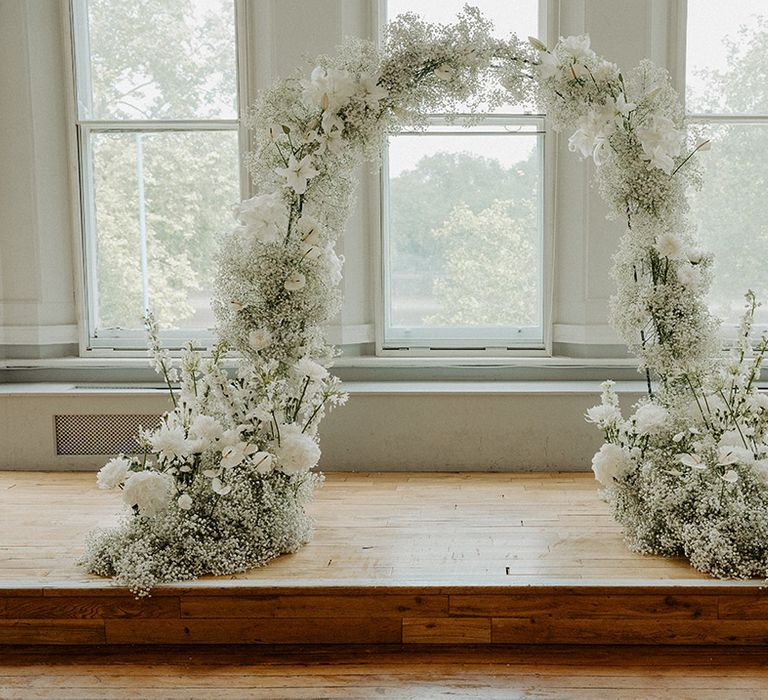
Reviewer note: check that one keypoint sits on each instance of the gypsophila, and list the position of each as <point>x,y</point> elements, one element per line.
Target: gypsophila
<point>223,482</point>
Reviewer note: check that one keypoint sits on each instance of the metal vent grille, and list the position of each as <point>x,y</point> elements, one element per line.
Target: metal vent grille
<point>101,434</point>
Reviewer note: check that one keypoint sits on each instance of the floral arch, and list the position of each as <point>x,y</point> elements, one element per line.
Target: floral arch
<point>222,484</point>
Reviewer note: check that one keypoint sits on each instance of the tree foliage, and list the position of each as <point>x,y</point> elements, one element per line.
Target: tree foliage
<point>731,209</point>
<point>160,59</point>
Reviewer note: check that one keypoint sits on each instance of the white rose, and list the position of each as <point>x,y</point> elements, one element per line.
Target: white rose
<point>259,339</point>
<point>149,490</point>
<point>670,246</point>
<point>297,452</point>
<point>611,463</point>
<point>577,47</point>
<point>184,501</point>
<point>651,418</point>
<point>113,473</point>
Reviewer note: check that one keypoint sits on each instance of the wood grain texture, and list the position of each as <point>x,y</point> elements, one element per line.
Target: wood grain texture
<point>52,632</point>
<point>94,607</point>
<point>447,630</point>
<point>666,673</point>
<point>350,604</point>
<point>744,607</point>
<point>627,631</point>
<point>412,559</point>
<point>586,605</point>
<point>348,630</point>
<point>388,528</point>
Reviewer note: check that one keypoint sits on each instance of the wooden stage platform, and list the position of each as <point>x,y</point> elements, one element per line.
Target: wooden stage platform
<point>403,559</point>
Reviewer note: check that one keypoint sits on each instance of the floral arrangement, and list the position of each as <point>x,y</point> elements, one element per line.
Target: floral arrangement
<point>687,472</point>
<point>223,481</point>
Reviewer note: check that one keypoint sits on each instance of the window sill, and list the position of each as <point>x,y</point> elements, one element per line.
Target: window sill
<point>386,388</point>
<point>127,371</point>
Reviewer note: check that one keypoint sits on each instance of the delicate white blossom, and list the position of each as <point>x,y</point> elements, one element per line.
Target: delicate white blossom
<point>611,463</point>
<point>298,173</point>
<point>650,418</point>
<point>113,473</point>
<point>297,451</point>
<point>149,491</point>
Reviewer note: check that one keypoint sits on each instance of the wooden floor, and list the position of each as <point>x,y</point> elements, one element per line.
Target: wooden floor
<point>371,528</point>
<point>404,559</point>
<point>509,673</point>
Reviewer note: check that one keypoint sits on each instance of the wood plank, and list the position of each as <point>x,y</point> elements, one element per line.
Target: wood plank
<point>84,606</point>
<point>52,632</point>
<point>292,606</point>
<point>586,605</point>
<point>543,630</point>
<point>391,672</point>
<point>753,606</point>
<point>449,630</point>
<point>256,631</point>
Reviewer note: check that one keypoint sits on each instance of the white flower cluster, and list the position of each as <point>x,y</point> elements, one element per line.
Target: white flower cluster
<point>632,127</point>
<point>233,452</point>
<point>687,473</point>
<point>224,478</point>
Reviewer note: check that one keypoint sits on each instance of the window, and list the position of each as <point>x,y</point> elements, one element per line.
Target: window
<point>463,219</point>
<point>158,131</point>
<point>727,96</point>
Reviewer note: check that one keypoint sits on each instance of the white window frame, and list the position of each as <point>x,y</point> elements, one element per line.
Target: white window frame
<point>109,342</point>
<point>475,346</point>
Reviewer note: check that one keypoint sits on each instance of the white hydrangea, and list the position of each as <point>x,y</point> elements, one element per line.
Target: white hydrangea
<point>611,463</point>
<point>262,216</point>
<point>148,490</point>
<point>297,451</point>
<point>650,419</point>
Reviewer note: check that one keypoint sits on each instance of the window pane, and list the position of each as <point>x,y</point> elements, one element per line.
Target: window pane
<point>732,211</point>
<point>156,59</point>
<point>464,236</point>
<point>190,182</point>
<point>726,70</point>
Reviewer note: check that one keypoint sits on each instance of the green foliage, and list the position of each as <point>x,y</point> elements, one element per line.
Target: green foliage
<point>491,266</point>
<point>731,209</point>
<point>160,60</point>
<point>463,231</point>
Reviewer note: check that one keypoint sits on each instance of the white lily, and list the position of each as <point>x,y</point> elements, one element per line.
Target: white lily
<point>298,173</point>
<point>691,460</point>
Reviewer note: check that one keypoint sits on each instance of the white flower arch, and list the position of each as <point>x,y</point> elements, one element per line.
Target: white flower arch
<point>236,455</point>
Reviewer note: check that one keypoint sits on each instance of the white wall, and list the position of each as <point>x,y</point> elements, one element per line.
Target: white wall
<point>37,291</point>
<point>39,277</point>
